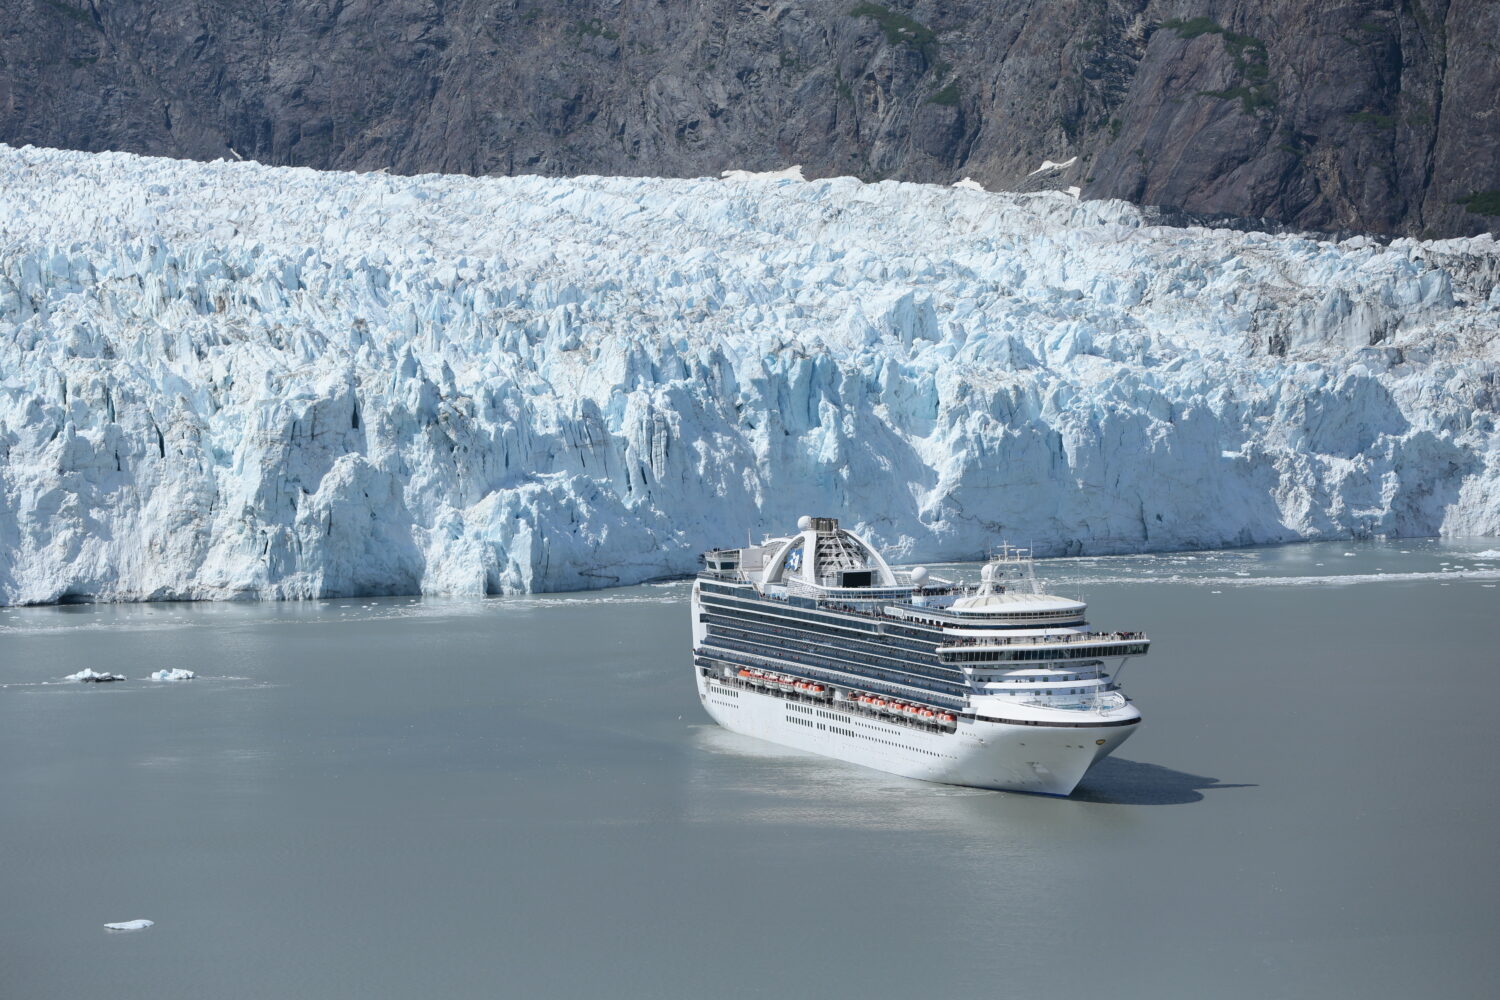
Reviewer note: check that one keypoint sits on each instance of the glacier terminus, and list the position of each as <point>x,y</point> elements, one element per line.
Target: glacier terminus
<point>231,380</point>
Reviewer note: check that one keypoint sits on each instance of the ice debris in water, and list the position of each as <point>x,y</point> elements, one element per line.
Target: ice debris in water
<point>175,674</point>
<point>130,925</point>
<point>284,383</point>
<point>1488,554</point>
<point>90,675</point>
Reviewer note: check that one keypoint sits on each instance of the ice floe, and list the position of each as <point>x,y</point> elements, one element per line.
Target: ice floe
<point>88,674</point>
<point>130,925</point>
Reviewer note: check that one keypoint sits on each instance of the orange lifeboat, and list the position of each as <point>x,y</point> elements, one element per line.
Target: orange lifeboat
<point>817,689</point>
<point>946,717</point>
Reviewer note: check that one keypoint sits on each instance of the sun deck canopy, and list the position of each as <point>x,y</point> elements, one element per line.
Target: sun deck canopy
<point>824,556</point>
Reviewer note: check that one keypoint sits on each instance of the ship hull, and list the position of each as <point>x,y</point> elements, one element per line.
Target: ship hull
<point>1042,759</point>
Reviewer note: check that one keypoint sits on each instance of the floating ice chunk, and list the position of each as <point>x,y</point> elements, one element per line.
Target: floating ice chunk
<point>1348,553</point>
<point>1050,165</point>
<point>968,184</point>
<point>1488,554</point>
<point>129,925</point>
<point>92,676</point>
<point>175,674</point>
<point>789,174</point>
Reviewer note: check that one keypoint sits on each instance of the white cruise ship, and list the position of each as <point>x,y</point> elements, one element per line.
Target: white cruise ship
<point>814,642</point>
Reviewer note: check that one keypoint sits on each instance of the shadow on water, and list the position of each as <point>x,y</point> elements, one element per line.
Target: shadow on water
<point>1114,781</point>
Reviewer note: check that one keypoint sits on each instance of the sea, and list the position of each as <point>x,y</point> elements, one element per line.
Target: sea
<point>521,797</point>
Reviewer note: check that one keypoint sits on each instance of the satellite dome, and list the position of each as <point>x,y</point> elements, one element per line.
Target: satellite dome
<point>919,574</point>
<point>804,523</point>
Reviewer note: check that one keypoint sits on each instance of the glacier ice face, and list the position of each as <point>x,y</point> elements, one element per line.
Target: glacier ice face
<point>229,380</point>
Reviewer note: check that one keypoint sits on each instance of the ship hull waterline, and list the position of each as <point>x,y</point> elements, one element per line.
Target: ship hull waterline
<point>1045,760</point>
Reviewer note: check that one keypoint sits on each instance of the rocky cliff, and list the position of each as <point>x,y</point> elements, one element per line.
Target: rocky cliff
<point>1363,114</point>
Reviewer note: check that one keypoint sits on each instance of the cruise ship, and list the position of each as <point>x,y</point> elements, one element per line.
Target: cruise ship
<point>812,641</point>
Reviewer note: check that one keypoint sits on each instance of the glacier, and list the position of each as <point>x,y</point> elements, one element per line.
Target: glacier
<point>231,380</point>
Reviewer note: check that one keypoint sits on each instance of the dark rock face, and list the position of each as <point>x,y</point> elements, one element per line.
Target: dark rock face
<point>1365,114</point>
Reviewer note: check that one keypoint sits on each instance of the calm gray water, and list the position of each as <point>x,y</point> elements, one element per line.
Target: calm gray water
<point>522,797</point>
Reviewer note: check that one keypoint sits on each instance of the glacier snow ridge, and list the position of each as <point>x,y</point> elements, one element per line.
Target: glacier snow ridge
<point>230,380</point>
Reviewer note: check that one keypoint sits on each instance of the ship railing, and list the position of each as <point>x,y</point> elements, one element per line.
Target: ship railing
<point>1104,702</point>
<point>912,675</point>
<point>828,702</point>
<point>874,682</point>
<point>1045,640</point>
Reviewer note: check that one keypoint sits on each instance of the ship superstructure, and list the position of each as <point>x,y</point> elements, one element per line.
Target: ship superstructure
<point>813,641</point>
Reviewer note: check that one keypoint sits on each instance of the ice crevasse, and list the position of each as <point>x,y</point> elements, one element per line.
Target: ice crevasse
<point>228,380</point>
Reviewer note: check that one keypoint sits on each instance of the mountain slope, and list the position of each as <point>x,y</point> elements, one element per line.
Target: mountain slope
<point>1370,114</point>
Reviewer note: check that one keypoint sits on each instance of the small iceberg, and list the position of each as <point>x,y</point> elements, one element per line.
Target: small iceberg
<point>129,925</point>
<point>175,674</point>
<point>89,675</point>
<point>1488,554</point>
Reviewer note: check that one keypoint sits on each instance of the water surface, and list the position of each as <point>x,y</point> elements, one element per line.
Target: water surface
<point>397,798</point>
